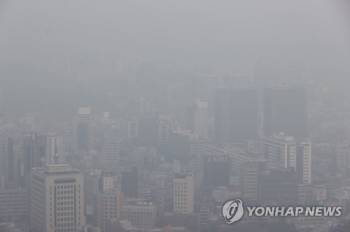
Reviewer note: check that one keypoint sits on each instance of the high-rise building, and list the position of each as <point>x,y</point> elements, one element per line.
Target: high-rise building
<point>236,115</point>
<point>9,162</point>
<point>57,199</point>
<point>251,173</point>
<point>279,187</point>
<point>343,156</point>
<point>183,193</point>
<point>285,110</point>
<point>198,118</point>
<point>283,152</point>
<point>129,182</point>
<point>128,128</point>
<point>107,207</point>
<point>82,130</point>
<point>216,171</point>
<point>110,154</point>
<point>13,204</point>
<point>141,214</point>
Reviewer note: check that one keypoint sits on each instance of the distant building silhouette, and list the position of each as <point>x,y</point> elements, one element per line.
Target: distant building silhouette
<point>82,130</point>
<point>236,115</point>
<point>129,182</point>
<point>285,110</point>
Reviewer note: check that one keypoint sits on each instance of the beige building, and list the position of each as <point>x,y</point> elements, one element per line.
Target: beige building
<point>183,193</point>
<point>107,207</point>
<point>57,199</point>
<point>141,214</point>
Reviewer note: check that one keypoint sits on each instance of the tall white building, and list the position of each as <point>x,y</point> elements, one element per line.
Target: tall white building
<point>283,152</point>
<point>201,119</point>
<point>57,199</point>
<point>183,193</point>
<point>82,129</point>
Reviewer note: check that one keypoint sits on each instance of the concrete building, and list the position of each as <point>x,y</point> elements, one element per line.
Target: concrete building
<point>236,115</point>
<point>183,193</point>
<point>251,173</point>
<point>282,151</point>
<point>279,187</point>
<point>285,110</point>
<point>216,170</point>
<point>129,182</point>
<point>141,214</point>
<point>107,207</point>
<point>343,156</point>
<point>110,154</point>
<point>82,130</point>
<point>128,128</point>
<point>198,118</point>
<point>57,199</point>
<point>9,162</point>
<point>13,204</point>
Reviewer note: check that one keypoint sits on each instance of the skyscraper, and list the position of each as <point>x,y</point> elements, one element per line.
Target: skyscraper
<point>9,162</point>
<point>110,154</point>
<point>198,118</point>
<point>285,111</point>
<point>57,199</point>
<point>236,115</point>
<point>82,130</point>
<point>130,181</point>
<point>34,154</point>
<point>183,193</point>
<point>216,170</point>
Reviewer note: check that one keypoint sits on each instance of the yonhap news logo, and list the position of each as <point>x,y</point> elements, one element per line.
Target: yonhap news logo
<point>233,210</point>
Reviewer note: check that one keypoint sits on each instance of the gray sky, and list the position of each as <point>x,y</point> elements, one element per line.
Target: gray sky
<point>42,32</point>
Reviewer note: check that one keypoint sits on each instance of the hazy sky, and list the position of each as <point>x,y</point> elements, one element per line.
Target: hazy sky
<point>42,32</point>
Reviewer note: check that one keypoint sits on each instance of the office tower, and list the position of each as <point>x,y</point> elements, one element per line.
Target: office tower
<point>82,130</point>
<point>251,173</point>
<point>129,128</point>
<point>107,207</point>
<point>303,162</point>
<point>163,134</point>
<point>282,151</point>
<point>279,187</point>
<point>55,152</point>
<point>183,193</point>
<point>236,115</point>
<point>13,204</point>
<point>141,214</point>
<point>9,162</point>
<point>285,111</point>
<point>34,150</point>
<point>197,118</point>
<point>129,182</point>
<point>216,171</point>
<point>106,182</point>
<point>91,187</point>
<point>343,156</point>
<point>57,199</point>
<point>110,154</point>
